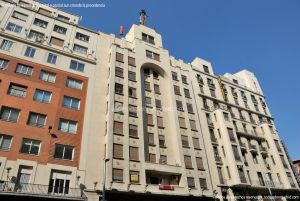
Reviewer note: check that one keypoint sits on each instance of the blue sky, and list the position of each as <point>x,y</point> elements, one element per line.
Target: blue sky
<point>262,36</point>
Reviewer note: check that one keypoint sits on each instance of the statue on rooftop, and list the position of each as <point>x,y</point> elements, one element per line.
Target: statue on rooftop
<point>143,17</point>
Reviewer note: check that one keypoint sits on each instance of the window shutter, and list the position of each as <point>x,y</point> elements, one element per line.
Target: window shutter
<point>131,61</point>
<point>118,151</point>
<point>56,41</point>
<point>191,182</point>
<point>151,138</point>
<point>118,127</point>
<point>134,153</point>
<point>160,122</point>
<point>199,162</point>
<point>182,122</point>
<point>190,108</point>
<point>185,141</point>
<point>196,143</point>
<point>45,12</point>
<point>150,119</point>
<point>152,158</point>
<point>117,175</point>
<point>188,162</point>
<point>176,90</point>
<point>156,57</point>
<point>203,183</point>
<point>119,57</point>
<point>133,130</point>
<point>193,125</point>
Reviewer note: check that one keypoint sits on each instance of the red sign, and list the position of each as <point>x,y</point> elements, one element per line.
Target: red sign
<point>166,187</point>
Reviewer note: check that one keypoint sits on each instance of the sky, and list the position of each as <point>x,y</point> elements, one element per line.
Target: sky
<point>262,36</point>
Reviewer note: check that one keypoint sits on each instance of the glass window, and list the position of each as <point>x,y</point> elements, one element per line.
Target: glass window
<point>9,114</point>
<point>35,119</point>
<point>74,84</point>
<point>52,58</point>
<point>3,64</point>
<point>132,92</point>
<point>36,35</point>
<point>133,130</point>
<point>71,103</point>
<point>82,37</point>
<point>80,49</point>
<point>23,69</point>
<point>42,96</point>
<point>64,152</point>
<point>40,23</point>
<point>59,29</point>
<point>6,45</point>
<point>68,126</point>
<point>30,52</point>
<point>30,146</point>
<point>19,16</point>
<point>5,142</point>
<point>75,65</point>
<point>117,175</point>
<point>119,72</point>
<point>47,76</point>
<point>17,90</point>
<point>13,27</point>
<point>63,18</point>
<point>131,76</point>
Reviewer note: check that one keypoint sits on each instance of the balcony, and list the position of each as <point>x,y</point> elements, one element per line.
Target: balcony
<point>26,189</point>
<point>249,134</point>
<point>263,151</point>
<point>252,148</point>
<point>243,146</point>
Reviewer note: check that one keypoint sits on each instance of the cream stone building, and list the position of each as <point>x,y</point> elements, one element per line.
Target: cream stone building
<point>82,108</point>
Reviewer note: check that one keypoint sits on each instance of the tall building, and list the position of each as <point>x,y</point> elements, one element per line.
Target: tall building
<point>80,109</point>
<point>296,165</point>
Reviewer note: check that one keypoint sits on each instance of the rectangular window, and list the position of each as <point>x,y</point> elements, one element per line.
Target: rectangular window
<point>47,76</point>
<point>156,89</point>
<point>132,92</point>
<point>158,103</point>
<point>231,134</point>
<point>5,142</point>
<point>30,52</point>
<point>134,177</point>
<point>118,107</point>
<point>185,141</point>
<point>59,29</point>
<point>17,90</point>
<point>52,58</point>
<point>44,12</point>
<point>236,153</point>
<point>174,76</point>
<point>13,27</point>
<point>119,57</point>
<point>187,93</point>
<point>133,153</point>
<point>162,140</point>
<point>42,96</point>
<point>188,162</point>
<point>203,183</point>
<point>80,49</point>
<point>56,41</point>
<point>131,61</point>
<point>148,101</point>
<point>133,130</point>
<point>151,139</point>
<point>37,36</point>
<point>149,119</point>
<point>74,84</point>
<point>160,122</point>
<point>177,90</point>
<point>152,55</point>
<point>206,69</point>
<point>9,114</point>
<point>190,108</point>
<point>19,16</point>
<point>3,64</point>
<point>6,45</point>
<point>148,38</point>
<point>184,79</point>
<point>71,103</point>
<point>118,127</point>
<point>30,146</point>
<point>40,23</point>
<point>193,125</point>
<point>67,126</point>
<point>64,152</point>
<point>147,86</point>
<point>152,158</point>
<point>131,76</point>
<point>82,37</point>
<point>199,162</point>
<point>179,105</point>
<point>181,122</point>
<point>117,174</point>
<point>63,18</point>
<point>226,116</point>
<point>75,65</point>
<point>196,143</point>
<point>118,151</point>
<point>118,88</point>
<point>191,182</point>
<point>163,159</point>
<point>212,92</point>
<point>119,72</point>
<point>38,120</point>
<point>23,69</point>
<point>261,179</point>
<point>132,110</point>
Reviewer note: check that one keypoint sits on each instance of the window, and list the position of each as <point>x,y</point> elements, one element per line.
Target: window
<point>212,92</point>
<point>13,27</point>
<point>283,161</point>
<point>37,36</point>
<point>196,143</point>
<point>40,23</point>
<point>64,152</point>
<point>9,114</point>
<point>47,76</point>
<point>206,69</point>
<point>133,153</point>
<point>158,103</point>
<point>179,105</point>
<point>6,45</point>
<point>235,81</point>
<point>152,158</point>
<point>193,125</point>
<point>118,151</point>
<point>148,101</point>
<point>118,88</point>
<point>132,92</point>
<point>181,122</point>
<point>118,127</point>
<point>160,122</point>
<point>226,116</point>
<point>132,111</point>
<point>131,61</point>
<point>67,126</point>
<point>199,162</point>
<point>133,130</point>
<point>63,18</point>
<point>156,89</point>
<point>59,29</point>
<point>52,58</point>
<point>75,65</point>
<point>150,119</point>
<point>185,141</point>
<point>162,140</point>
<point>188,162</point>
<point>35,119</point>
<point>184,79</point>
<point>17,90</point>
<point>56,41</point>
<point>30,146</point>
<point>254,159</point>
<point>163,159</point>
<point>118,107</point>
<point>74,84</point>
<point>151,139</point>
<point>117,174</point>
<point>155,75</point>
<point>5,142</point>
<point>119,57</point>
<point>147,86</point>
<point>25,4</point>
<point>42,96</point>
<point>23,69</point>
<point>134,177</point>
<point>82,37</point>
<point>152,55</point>
<point>177,90</point>
<point>147,72</point>
<point>187,93</point>
<point>191,182</point>
<point>19,16</point>
<point>3,64</point>
<point>80,49</point>
<point>119,72</point>
<point>203,183</point>
<point>131,76</point>
<point>71,103</point>
<point>148,38</point>
<point>231,134</point>
<point>30,52</point>
<point>190,108</point>
<point>260,178</point>
<point>44,12</point>
<point>174,76</point>
<point>236,153</point>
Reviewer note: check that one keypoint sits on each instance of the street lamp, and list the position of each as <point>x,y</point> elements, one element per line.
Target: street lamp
<point>104,178</point>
